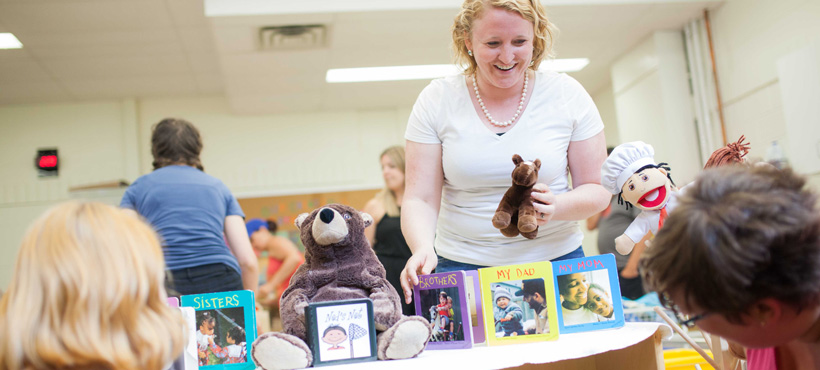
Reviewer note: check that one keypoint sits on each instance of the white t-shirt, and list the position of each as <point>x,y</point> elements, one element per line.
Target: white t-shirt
<point>478,165</point>
<point>579,316</point>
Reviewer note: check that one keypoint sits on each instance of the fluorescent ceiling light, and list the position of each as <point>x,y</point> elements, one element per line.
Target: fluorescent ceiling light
<point>430,71</point>
<point>8,41</point>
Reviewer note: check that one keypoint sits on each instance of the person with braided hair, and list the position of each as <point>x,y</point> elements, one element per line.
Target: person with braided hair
<point>194,213</point>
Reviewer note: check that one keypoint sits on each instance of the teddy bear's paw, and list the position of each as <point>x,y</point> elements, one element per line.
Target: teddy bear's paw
<point>527,224</point>
<point>280,351</point>
<point>510,231</point>
<point>501,220</point>
<point>406,339</point>
<point>530,235</point>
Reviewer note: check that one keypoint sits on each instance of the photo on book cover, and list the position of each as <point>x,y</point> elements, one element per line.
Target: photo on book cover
<point>341,331</point>
<point>225,325</point>
<point>589,294</point>
<point>442,300</point>
<point>519,304</point>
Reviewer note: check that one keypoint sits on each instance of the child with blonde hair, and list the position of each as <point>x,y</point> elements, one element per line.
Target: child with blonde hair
<point>88,293</point>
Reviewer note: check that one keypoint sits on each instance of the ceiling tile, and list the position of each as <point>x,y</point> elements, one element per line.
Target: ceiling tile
<point>210,84</point>
<point>103,44</point>
<point>123,87</point>
<point>32,92</point>
<point>91,15</point>
<point>188,12</point>
<point>79,69</point>
<point>196,39</point>
<point>21,72</point>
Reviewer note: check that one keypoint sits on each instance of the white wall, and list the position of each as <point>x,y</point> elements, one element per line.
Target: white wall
<point>254,155</point>
<point>750,36</point>
<point>653,102</point>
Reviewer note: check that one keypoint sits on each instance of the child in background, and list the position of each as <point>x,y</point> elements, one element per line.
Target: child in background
<point>507,313</point>
<point>741,257</point>
<point>55,303</point>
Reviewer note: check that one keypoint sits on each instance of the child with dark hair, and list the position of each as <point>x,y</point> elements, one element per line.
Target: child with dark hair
<point>741,257</point>
<point>205,336</point>
<point>236,351</point>
<point>600,301</point>
<point>194,213</point>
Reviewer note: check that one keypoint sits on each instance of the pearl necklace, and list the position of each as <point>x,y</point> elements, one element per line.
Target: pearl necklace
<point>517,112</point>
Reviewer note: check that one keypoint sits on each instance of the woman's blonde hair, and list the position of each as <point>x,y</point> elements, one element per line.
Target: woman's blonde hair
<point>88,292</point>
<point>387,197</point>
<point>531,10</point>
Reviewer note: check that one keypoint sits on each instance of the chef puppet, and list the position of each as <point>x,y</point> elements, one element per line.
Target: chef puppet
<point>631,173</point>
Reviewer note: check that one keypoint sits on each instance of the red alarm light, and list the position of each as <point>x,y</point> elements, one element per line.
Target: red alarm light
<point>47,161</point>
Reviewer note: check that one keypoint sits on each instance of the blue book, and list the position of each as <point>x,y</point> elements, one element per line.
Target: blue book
<point>225,328</point>
<point>589,295</point>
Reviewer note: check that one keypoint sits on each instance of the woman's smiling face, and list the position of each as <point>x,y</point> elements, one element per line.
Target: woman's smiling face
<point>501,43</point>
<point>577,288</point>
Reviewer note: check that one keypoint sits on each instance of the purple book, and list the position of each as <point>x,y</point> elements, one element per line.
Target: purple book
<point>442,299</point>
<point>474,300</point>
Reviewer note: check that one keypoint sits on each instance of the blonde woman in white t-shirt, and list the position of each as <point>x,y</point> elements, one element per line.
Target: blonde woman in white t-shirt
<point>464,130</point>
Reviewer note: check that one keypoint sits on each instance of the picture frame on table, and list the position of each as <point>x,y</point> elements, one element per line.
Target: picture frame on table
<point>589,294</point>
<point>442,299</point>
<point>341,332</point>
<point>519,303</point>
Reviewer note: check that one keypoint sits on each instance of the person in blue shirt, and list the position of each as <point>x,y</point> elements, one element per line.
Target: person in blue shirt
<point>194,214</point>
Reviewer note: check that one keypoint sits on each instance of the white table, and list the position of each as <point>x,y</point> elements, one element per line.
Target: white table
<point>636,346</point>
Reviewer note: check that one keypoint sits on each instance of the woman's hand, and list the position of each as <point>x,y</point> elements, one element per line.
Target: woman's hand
<point>543,200</point>
<point>421,263</point>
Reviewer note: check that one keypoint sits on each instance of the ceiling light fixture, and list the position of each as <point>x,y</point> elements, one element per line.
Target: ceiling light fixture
<point>8,41</point>
<point>430,71</point>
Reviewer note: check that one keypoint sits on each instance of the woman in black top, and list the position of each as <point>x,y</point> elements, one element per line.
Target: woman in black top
<point>385,235</point>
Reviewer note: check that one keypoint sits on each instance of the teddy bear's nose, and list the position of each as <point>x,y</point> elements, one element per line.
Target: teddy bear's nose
<point>326,215</point>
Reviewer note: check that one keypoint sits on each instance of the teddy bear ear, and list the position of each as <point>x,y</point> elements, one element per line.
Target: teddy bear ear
<point>367,218</point>
<point>301,218</point>
<point>537,163</point>
<point>517,159</point>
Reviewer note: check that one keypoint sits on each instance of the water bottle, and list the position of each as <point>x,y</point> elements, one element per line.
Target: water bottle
<point>775,156</point>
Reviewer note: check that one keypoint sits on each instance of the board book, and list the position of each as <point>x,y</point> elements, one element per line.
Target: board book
<point>589,294</point>
<point>225,328</point>
<point>341,332</point>
<point>442,299</point>
<point>519,303</point>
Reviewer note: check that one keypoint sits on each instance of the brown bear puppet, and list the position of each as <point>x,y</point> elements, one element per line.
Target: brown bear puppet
<point>515,212</point>
<point>339,264</point>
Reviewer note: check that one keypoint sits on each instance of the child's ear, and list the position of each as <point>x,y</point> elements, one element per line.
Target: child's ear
<point>766,311</point>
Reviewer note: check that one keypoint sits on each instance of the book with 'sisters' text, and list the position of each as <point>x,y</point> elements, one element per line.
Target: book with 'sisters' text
<point>225,328</point>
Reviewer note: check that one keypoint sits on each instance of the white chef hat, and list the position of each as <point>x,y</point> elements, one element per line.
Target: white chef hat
<point>622,163</point>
